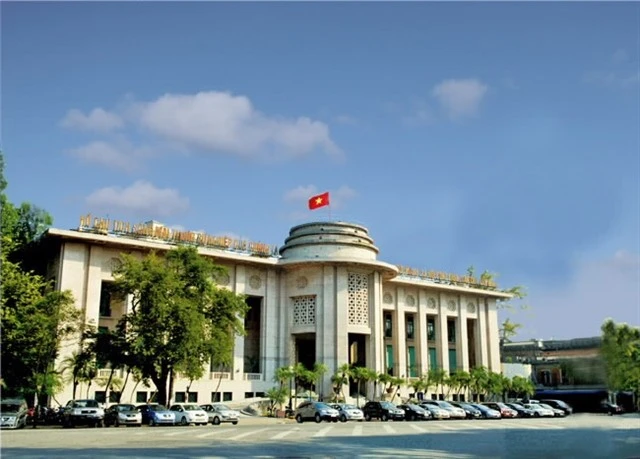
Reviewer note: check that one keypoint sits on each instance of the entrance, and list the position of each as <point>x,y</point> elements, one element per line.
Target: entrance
<point>306,350</point>
<point>357,358</point>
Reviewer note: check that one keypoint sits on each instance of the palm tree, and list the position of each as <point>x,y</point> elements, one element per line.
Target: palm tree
<point>418,384</point>
<point>319,370</point>
<point>283,375</point>
<point>78,364</point>
<point>359,375</point>
<point>479,380</point>
<point>464,380</point>
<point>437,377</point>
<point>340,379</point>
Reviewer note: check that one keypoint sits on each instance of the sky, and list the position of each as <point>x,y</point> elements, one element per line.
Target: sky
<point>504,136</point>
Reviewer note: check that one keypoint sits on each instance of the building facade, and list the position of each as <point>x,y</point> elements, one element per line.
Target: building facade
<point>321,297</point>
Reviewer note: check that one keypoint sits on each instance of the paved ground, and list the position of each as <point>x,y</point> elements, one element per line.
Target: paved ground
<point>578,436</point>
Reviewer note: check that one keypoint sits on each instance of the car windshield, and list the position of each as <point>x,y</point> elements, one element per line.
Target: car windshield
<point>444,404</point>
<point>191,407</point>
<point>412,406</point>
<point>544,405</point>
<point>515,405</point>
<point>9,408</point>
<point>157,408</point>
<point>387,405</point>
<point>322,406</point>
<point>85,404</point>
<point>126,408</point>
<point>349,407</point>
<point>222,407</point>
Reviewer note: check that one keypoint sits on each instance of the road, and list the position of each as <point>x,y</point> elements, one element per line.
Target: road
<point>578,436</point>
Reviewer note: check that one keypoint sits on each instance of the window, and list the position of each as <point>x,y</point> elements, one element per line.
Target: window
<point>431,328</point>
<point>141,397</point>
<point>411,359</point>
<point>388,326</point>
<point>433,358</point>
<point>260,394</point>
<point>105,300</point>
<point>248,395</point>
<point>100,396</point>
<point>180,397</point>
<point>227,397</point>
<point>453,361</point>
<point>390,359</point>
<point>193,397</point>
<point>215,397</point>
<point>410,327</point>
<point>451,331</point>
<point>114,396</point>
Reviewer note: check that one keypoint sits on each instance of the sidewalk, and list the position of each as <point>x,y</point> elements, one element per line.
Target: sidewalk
<point>261,420</point>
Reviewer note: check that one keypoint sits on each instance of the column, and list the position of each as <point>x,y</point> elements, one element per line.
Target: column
<point>482,356</point>
<point>284,356</point>
<point>462,345</point>
<point>93,286</point>
<point>268,323</point>
<point>399,335</point>
<point>421,324</point>
<point>375,356</point>
<point>237,372</point>
<point>493,335</point>
<point>326,327</point>
<point>441,334</point>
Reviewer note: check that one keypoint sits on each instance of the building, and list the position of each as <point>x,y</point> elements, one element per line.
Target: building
<point>322,297</point>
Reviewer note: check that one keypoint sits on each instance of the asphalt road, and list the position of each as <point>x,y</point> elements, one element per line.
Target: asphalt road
<point>578,436</point>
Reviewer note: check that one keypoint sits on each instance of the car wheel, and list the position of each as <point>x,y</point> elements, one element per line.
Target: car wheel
<point>334,420</point>
<point>367,417</point>
<point>318,419</point>
<point>183,421</point>
<point>343,418</point>
<point>216,421</point>
<point>536,415</point>
<point>299,419</point>
<point>235,423</point>
<point>384,417</point>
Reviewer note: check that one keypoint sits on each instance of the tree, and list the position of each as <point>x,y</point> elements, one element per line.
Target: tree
<point>179,319</point>
<point>621,353</point>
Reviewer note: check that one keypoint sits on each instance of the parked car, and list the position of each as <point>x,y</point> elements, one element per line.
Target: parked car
<point>383,411</point>
<point>539,411</point>
<point>436,411</point>
<point>348,412</point>
<point>559,405</point>
<point>556,412</point>
<point>122,414</point>
<point>610,408</point>
<point>414,412</point>
<point>317,411</point>
<point>505,411</point>
<point>521,410</point>
<point>155,414</point>
<point>13,413</point>
<point>189,413</point>
<point>469,410</point>
<point>454,411</point>
<point>83,412</point>
<point>487,413</point>
<point>219,412</point>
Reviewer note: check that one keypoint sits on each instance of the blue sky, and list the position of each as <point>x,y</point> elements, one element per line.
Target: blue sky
<point>499,135</point>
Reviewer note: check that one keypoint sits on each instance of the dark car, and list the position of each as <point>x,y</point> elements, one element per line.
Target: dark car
<point>316,411</point>
<point>504,410</point>
<point>521,410</point>
<point>487,413</point>
<point>383,411</point>
<point>469,410</point>
<point>559,405</point>
<point>122,414</point>
<point>610,408</point>
<point>415,412</point>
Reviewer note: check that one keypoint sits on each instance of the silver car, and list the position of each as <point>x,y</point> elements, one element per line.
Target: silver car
<point>13,414</point>
<point>454,412</point>
<point>348,412</point>
<point>316,411</point>
<point>218,413</point>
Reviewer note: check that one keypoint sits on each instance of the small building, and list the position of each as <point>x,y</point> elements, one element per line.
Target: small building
<point>323,296</point>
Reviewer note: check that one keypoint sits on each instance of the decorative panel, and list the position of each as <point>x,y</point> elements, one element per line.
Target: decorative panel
<point>471,308</point>
<point>387,298</point>
<point>410,300</point>
<point>304,310</point>
<point>431,303</point>
<point>451,306</point>
<point>358,288</point>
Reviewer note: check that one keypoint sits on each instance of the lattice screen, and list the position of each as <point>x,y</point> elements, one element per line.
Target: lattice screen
<point>358,287</point>
<point>304,310</point>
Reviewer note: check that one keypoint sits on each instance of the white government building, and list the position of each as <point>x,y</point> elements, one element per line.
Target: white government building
<point>321,297</point>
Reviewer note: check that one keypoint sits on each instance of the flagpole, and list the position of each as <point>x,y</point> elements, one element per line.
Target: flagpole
<point>329,206</point>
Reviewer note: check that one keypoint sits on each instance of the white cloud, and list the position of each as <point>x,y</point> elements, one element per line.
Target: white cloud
<point>118,155</point>
<point>222,122</point>
<point>98,119</point>
<point>141,198</point>
<point>460,98</point>
<point>620,56</point>
<point>600,287</point>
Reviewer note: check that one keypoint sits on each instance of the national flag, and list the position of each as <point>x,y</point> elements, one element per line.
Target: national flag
<point>320,200</point>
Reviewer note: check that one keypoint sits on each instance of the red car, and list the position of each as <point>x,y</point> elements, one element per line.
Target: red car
<point>504,410</point>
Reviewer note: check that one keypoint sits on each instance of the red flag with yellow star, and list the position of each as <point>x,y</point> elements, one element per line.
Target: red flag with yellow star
<point>318,201</point>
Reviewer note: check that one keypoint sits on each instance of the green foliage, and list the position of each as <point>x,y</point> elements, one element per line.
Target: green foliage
<point>621,353</point>
<point>180,321</point>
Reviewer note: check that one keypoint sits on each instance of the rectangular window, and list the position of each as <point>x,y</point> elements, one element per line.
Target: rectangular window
<point>141,397</point>
<point>260,394</point>
<point>411,359</point>
<point>389,359</point>
<point>114,396</point>
<point>105,299</point>
<point>215,397</point>
<point>100,396</point>
<point>227,396</point>
<point>431,328</point>
<point>388,326</point>
<point>453,361</point>
<point>193,397</point>
<point>248,395</point>
<point>433,358</point>
<point>410,327</point>
<point>180,397</point>
<point>451,331</point>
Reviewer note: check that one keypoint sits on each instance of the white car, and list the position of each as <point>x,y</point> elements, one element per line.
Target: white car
<point>454,411</point>
<point>348,412</point>
<point>219,412</point>
<point>436,411</point>
<point>13,413</point>
<point>189,413</point>
<point>539,411</point>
